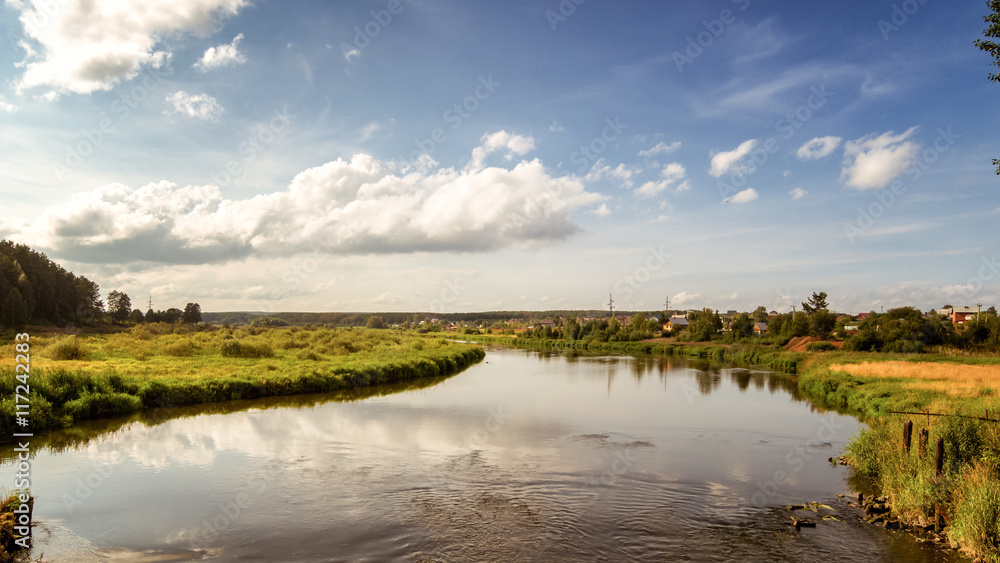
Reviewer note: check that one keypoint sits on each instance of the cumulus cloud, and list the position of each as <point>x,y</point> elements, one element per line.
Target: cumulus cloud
<point>723,162</point>
<point>222,55</point>
<point>200,106</point>
<point>661,148</point>
<point>355,206</point>
<point>818,148</point>
<point>670,175</point>
<point>86,46</point>
<point>798,193</point>
<point>516,144</point>
<point>875,160</point>
<point>9,108</point>
<point>745,196</point>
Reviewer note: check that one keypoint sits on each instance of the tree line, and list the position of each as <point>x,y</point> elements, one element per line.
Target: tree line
<point>36,290</point>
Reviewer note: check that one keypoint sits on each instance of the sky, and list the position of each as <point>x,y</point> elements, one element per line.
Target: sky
<point>455,156</point>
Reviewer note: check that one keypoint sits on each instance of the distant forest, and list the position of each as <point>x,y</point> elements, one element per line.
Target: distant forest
<point>34,289</point>
<point>361,318</point>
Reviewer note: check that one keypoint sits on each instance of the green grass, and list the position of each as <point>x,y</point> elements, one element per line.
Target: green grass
<point>170,365</point>
<point>745,354</point>
<point>966,498</point>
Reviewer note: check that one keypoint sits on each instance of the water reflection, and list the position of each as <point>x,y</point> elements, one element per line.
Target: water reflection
<point>83,432</point>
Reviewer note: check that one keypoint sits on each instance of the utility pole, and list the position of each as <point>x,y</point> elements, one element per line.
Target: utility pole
<point>979,311</point>
<point>150,303</point>
<point>611,305</point>
<point>666,307</point>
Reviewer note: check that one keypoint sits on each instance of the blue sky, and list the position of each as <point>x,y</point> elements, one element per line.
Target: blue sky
<point>462,156</point>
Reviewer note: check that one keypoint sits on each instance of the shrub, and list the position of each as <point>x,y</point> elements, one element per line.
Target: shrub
<point>308,355</point>
<point>67,348</point>
<point>244,349</point>
<point>820,347</point>
<point>180,349</point>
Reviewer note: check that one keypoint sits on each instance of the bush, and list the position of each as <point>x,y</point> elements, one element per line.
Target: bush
<point>67,348</point>
<point>180,349</point>
<point>244,349</point>
<point>820,347</point>
<point>308,355</point>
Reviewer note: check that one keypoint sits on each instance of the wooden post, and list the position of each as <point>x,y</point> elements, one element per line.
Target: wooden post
<point>924,435</point>
<point>939,458</point>
<point>907,435</point>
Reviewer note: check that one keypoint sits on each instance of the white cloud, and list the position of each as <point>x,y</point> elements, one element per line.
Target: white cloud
<point>7,107</point>
<point>200,106</point>
<point>360,206</point>
<point>798,193</point>
<point>223,55</point>
<point>723,162</point>
<point>745,196</point>
<point>88,46</point>
<point>516,144</point>
<point>661,148</point>
<point>602,211</point>
<point>671,174</point>
<point>874,161</point>
<point>684,298</point>
<point>556,128</point>
<point>622,173</point>
<point>818,148</point>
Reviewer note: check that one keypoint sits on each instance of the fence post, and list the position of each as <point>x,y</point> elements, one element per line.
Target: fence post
<point>907,435</point>
<point>939,458</point>
<point>924,435</point>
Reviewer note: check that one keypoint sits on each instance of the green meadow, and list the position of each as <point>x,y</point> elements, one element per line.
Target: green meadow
<point>78,377</point>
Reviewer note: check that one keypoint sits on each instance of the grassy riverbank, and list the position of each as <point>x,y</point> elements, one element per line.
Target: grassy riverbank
<point>94,376</point>
<point>965,499</point>
<point>746,354</point>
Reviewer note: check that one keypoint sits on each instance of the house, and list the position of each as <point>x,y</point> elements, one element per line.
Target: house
<point>851,329</point>
<point>760,329</point>
<point>960,314</point>
<point>675,324</point>
<point>546,322</point>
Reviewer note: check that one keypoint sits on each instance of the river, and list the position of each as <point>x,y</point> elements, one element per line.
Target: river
<point>528,456</point>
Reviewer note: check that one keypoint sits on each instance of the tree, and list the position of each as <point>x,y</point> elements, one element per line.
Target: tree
<point>705,325</point>
<point>799,326</point>
<point>192,313</point>
<point>742,325</point>
<point>375,321</point>
<point>14,313</point>
<point>816,303</point>
<point>152,316</point>
<point>992,47</point>
<point>821,323</point>
<point>136,317</point>
<point>760,314</point>
<point>119,306</point>
<point>171,315</point>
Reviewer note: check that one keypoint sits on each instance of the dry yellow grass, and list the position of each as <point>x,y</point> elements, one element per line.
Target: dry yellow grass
<point>957,380</point>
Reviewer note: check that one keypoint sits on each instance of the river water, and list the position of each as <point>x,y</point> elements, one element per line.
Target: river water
<point>529,456</point>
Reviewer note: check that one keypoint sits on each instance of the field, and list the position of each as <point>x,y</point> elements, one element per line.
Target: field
<point>161,365</point>
<point>958,380</point>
